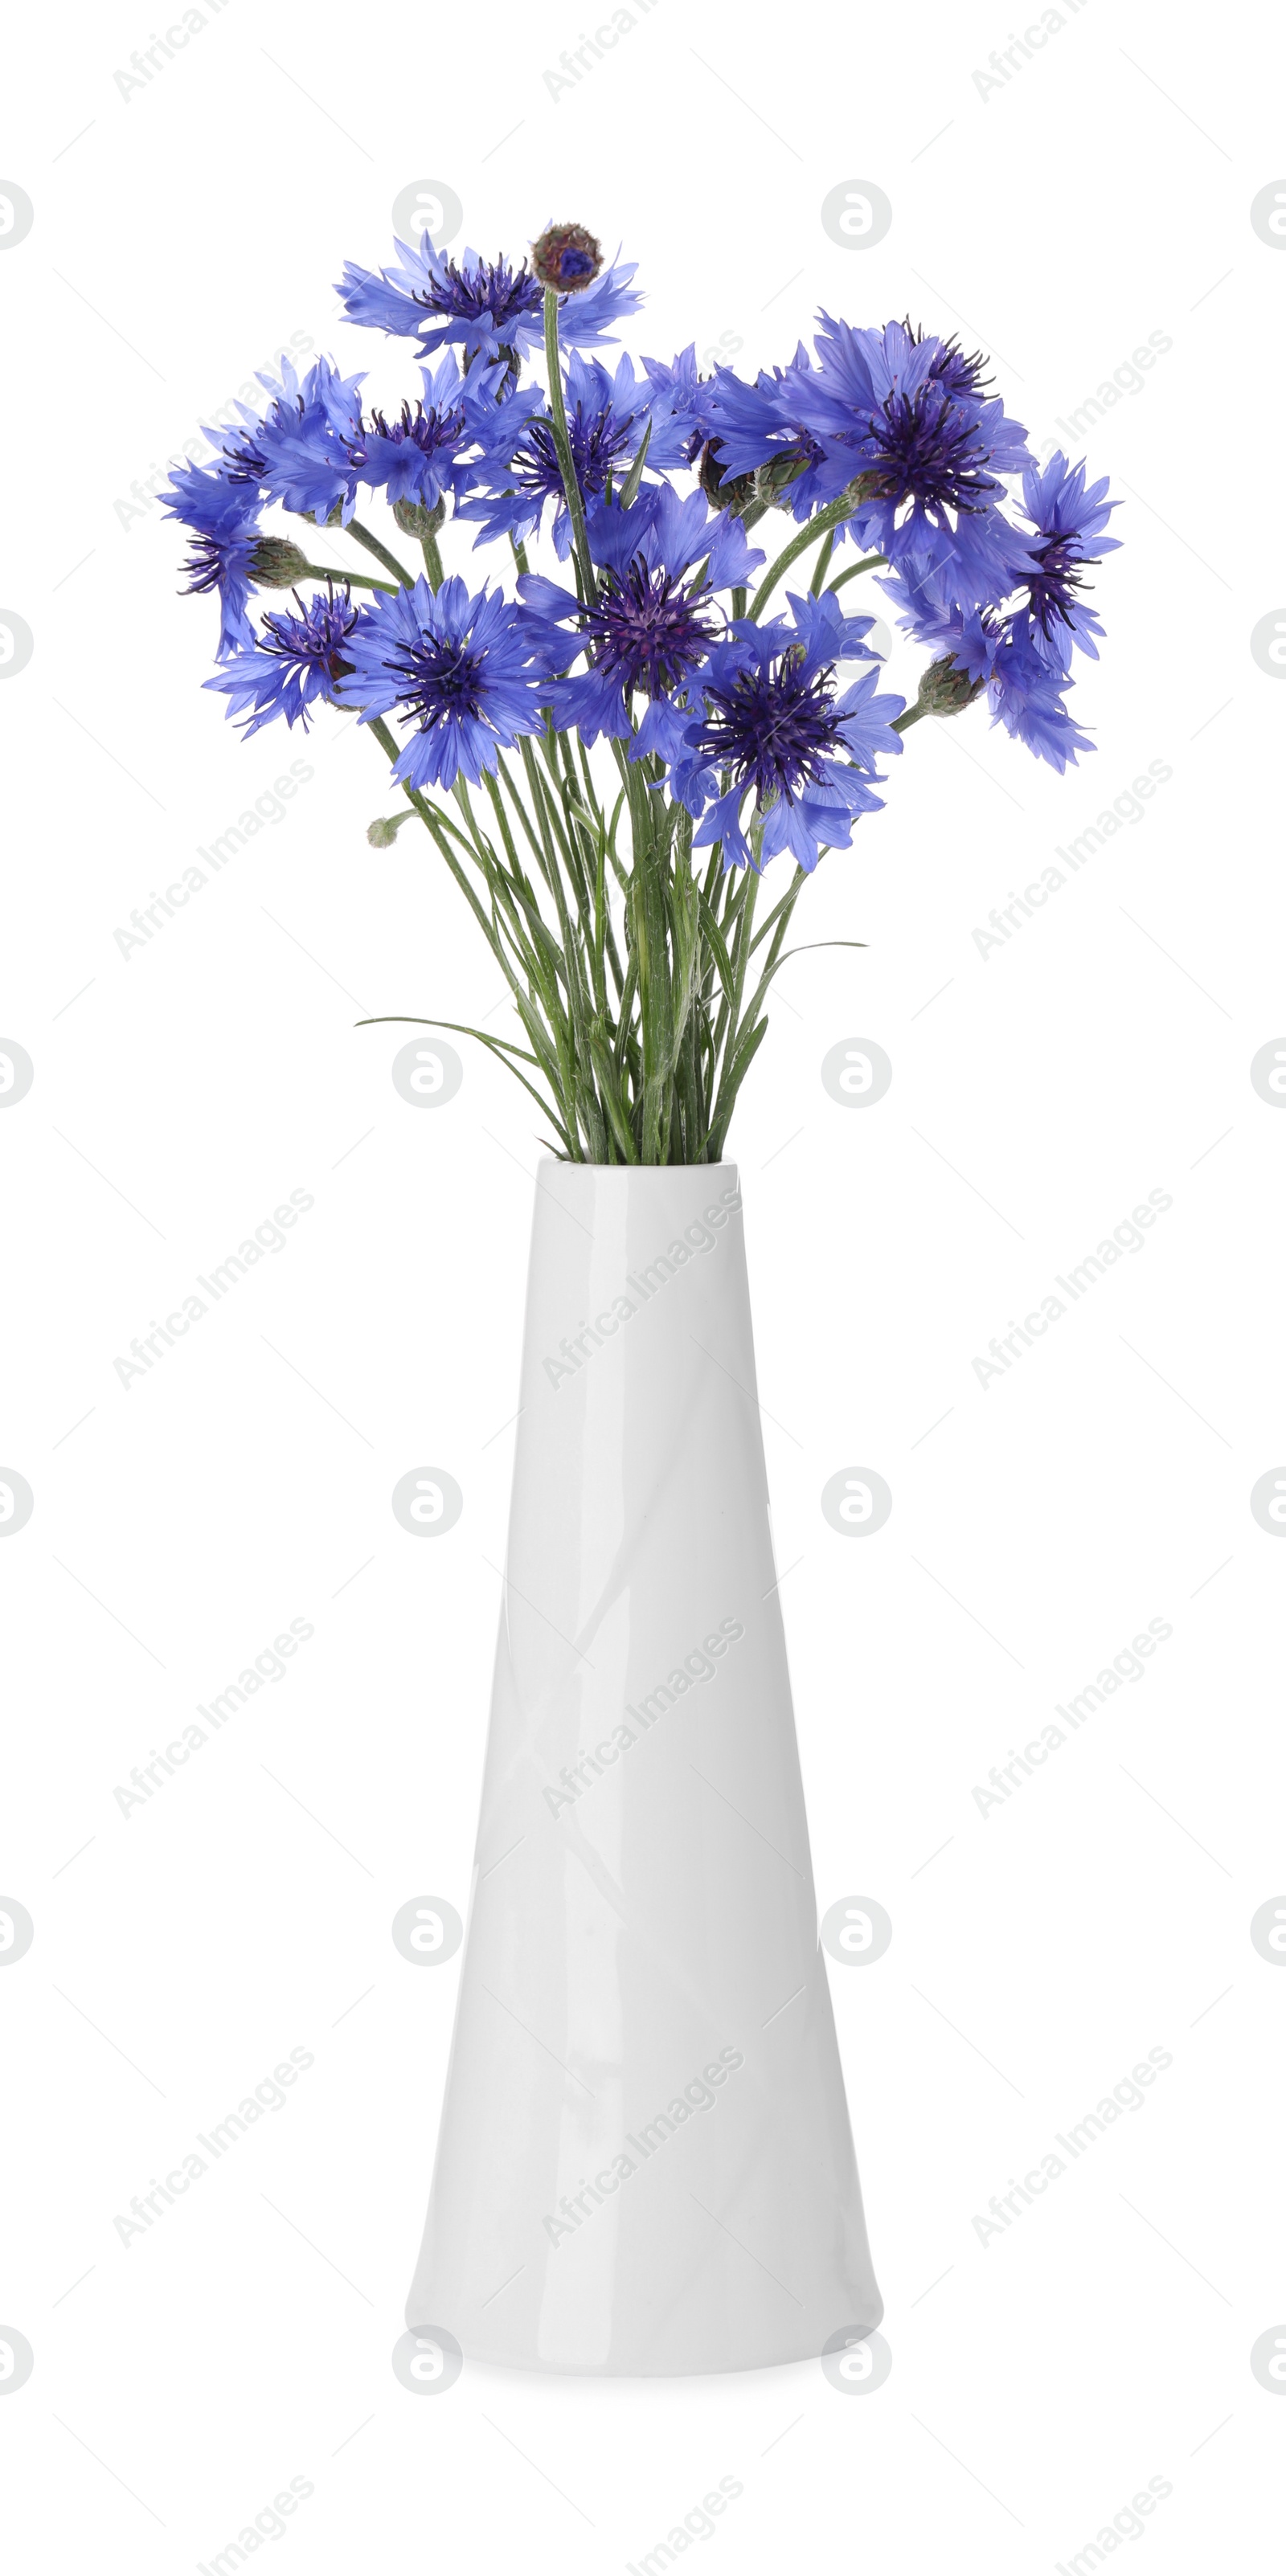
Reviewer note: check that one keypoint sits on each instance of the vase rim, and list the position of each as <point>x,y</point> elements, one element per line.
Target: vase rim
<point>628,1171</point>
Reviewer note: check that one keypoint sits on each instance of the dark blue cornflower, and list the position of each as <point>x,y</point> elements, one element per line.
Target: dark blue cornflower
<point>1025,695</point>
<point>299,451</point>
<point>1069,520</point>
<point>223,516</point>
<point>993,649</point>
<point>907,423</point>
<point>651,626</point>
<point>418,456</point>
<point>292,662</point>
<point>775,722</point>
<point>467,673</point>
<point>485,305</point>
<point>519,474</point>
<point>930,615</point>
<point>682,395</point>
<point>958,375</point>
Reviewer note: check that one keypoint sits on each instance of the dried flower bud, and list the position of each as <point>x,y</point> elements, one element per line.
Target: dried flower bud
<point>945,688</point>
<point>774,478</point>
<point>278,563</point>
<point>568,257</point>
<point>415,520</point>
<point>736,493</point>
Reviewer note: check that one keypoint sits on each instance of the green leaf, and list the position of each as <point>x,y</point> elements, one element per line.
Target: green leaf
<point>629,488</point>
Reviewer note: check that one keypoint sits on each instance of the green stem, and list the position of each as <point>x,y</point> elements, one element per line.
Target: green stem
<point>563,449</point>
<point>913,714</point>
<point>823,564</point>
<point>867,564</point>
<point>554,1059</point>
<point>381,553</point>
<point>433,823</point>
<point>433,562</point>
<point>351,580</point>
<point>818,526</point>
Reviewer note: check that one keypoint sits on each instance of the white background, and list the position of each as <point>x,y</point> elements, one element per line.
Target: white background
<point>181,235</point>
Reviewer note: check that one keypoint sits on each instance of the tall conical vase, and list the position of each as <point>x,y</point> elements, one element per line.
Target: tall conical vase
<point>645,2165</point>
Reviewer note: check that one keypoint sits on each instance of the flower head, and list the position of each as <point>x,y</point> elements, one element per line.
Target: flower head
<point>567,257</point>
<point>651,626</point>
<point>465,673</point>
<point>223,516</point>
<point>485,305</point>
<point>774,719</point>
<point>519,472</point>
<point>299,451</point>
<point>957,374</point>
<point>1026,696</point>
<point>1069,520</point>
<point>418,455</point>
<point>291,662</point>
<point>905,422</point>
<point>681,395</point>
<point>931,615</point>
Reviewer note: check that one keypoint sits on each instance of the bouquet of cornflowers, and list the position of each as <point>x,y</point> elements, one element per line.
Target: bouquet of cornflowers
<point>621,897</point>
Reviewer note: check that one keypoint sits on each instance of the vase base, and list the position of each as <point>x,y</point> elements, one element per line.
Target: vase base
<point>778,2353</point>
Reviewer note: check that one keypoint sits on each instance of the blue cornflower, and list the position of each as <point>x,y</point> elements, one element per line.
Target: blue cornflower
<point>681,395</point>
<point>774,722</point>
<point>298,452</point>
<point>905,420</point>
<point>1025,695</point>
<point>467,672</point>
<point>417,456</point>
<point>996,650</point>
<point>647,630</point>
<point>484,304</point>
<point>519,472</point>
<point>1065,514</point>
<point>958,375</point>
<point>223,516</point>
<point>292,662</point>
<point>931,615</point>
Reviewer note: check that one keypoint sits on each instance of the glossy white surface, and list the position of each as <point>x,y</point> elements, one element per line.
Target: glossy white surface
<point>645,2164</point>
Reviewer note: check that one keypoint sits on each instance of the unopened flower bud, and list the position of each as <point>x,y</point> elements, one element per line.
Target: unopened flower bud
<point>735,494</point>
<point>383,832</point>
<point>568,257</point>
<point>774,478</point>
<point>278,563</point>
<point>415,520</point>
<point>945,688</point>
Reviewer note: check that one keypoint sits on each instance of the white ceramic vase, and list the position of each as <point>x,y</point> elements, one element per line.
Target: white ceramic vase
<point>645,2164</point>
